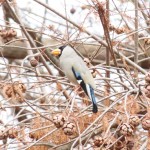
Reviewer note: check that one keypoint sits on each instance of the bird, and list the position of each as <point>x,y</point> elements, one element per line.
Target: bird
<point>76,71</point>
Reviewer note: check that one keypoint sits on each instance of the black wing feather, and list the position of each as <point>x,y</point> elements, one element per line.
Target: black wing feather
<point>84,87</point>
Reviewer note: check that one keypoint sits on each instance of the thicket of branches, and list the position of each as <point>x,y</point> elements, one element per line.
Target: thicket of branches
<point>41,110</point>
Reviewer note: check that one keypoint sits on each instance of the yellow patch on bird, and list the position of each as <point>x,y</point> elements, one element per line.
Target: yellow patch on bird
<point>56,52</point>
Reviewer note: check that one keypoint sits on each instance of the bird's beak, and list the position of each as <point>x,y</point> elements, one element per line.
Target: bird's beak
<point>56,52</point>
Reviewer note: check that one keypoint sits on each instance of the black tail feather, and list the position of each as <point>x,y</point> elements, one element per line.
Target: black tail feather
<point>95,109</point>
<point>83,85</point>
<point>87,89</point>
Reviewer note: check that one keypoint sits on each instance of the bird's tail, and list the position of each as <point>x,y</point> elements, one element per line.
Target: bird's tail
<point>90,93</point>
<point>92,96</point>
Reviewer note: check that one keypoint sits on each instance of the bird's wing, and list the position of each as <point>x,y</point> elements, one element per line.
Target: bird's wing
<point>87,89</point>
<point>81,69</point>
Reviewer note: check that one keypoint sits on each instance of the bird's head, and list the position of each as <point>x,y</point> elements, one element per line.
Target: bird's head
<point>58,51</point>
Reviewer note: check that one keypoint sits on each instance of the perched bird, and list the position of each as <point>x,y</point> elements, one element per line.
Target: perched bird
<point>76,71</point>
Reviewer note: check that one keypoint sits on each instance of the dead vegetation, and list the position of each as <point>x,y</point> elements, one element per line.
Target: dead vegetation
<point>41,110</point>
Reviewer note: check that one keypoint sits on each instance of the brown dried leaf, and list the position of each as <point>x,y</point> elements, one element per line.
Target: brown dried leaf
<point>131,105</point>
<point>105,123</point>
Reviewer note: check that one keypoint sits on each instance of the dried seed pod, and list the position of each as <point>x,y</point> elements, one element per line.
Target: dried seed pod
<point>72,10</point>
<point>31,135</point>
<point>147,77</point>
<point>42,100</point>
<point>119,30</point>
<point>3,133</point>
<point>19,89</point>
<point>33,62</point>
<point>108,144</point>
<point>19,86</point>
<point>98,141</point>
<point>8,91</point>
<point>3,33</point>
<point>8,34</point>
<point>130,145</point>
<point>126,129</point>
<point>119,145</point>
<point>134,120</point>
<point>22,87</point>
<point>14,92</point>
<point>51,27</point>
<point>146,123</point>
<point>8,39</point>
<point>12,133</point>
<point>13,33</point>
<point>69,128</point>
<point>111,27</point>
<point>58,120</point>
